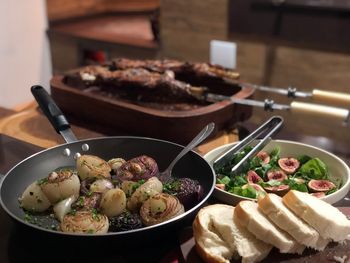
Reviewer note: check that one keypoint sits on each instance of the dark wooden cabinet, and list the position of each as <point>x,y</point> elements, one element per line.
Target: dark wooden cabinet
<point>93,31</point>
<point>317,24</point>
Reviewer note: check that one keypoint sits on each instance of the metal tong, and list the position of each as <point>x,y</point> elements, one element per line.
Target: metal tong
<point>270,127</point>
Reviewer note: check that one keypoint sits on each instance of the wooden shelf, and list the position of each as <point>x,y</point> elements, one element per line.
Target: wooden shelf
<point>134,30</point>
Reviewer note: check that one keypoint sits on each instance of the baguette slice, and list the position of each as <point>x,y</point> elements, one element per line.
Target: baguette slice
<point>209,244</point>
<point>237,238</point>
<point>325,218</point>
<point>272,206</point>
<point>247,214</point>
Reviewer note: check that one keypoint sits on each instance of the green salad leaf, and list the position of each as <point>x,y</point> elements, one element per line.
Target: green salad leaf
<point>249,191</point>
<point>303,159</point>
<point>293,185</point>
<point>274,156</point>
<point>315,169</point>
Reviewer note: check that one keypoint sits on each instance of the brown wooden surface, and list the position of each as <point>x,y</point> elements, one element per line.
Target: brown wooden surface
<point>132,30</point>
<point>117,35</point>
<point>5,112</point>
<point>273,62</point>
<point>113,115</point>
<point>32,126</point>
<point>63,9</point>
<point>187,27</point>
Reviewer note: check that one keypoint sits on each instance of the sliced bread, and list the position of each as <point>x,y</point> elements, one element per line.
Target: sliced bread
<point>329,222</point>
<point>248,214</point>
<point>209,244</point>
<point>272,206</point>
<point>218,219</point>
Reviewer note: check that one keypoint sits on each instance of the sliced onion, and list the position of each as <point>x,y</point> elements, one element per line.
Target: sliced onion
<point>92,166</point>
<point>113,202</point>
<point>63,207</point>
<point>85,222</point>
<point>160,208</point>
<point>150,188</point>
<point>61,185</point>
<point>34,199</point>
<point>116,163</point>
<point>128,187</point>
<point>101,186</point>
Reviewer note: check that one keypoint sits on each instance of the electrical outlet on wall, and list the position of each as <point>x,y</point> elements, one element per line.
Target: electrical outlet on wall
<point>223,53</point>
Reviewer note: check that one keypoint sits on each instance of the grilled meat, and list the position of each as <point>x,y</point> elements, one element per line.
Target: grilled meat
<point>178,67</point>
<point>137,84</point>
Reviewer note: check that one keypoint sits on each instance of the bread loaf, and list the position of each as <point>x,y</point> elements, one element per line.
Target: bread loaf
<point>272,206</point>
<point>209,244</point>
<point>250,229</point>
<point>248,214</point>
<point>329,222</point>
<point>218,219</point>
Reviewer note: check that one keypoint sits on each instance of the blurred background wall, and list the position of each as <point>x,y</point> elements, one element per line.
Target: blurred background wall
<point>24,51</point>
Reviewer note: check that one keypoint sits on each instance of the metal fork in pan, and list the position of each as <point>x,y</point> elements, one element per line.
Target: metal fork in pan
<point>270,127</point>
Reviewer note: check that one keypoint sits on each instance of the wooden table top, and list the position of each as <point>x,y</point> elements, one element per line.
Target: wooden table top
<point>32,126</point>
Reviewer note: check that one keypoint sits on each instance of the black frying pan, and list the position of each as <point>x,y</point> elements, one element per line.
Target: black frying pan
<point>37,166</point>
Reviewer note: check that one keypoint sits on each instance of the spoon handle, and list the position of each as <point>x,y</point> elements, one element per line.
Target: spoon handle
<point>207,130</point>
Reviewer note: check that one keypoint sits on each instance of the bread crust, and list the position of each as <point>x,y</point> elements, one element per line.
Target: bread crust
<point>265,230</point>
<point>199,230</point>
<point>219,218</point>
<point>273,207</point>
<point>325,218</point>
<point>202,252</point>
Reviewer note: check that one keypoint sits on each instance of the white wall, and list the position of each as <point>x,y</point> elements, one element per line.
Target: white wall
<point>24,50</point>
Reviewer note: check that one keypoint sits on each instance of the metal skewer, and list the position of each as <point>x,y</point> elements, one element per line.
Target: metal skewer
<point>317,110</point>
<point>339,99</point>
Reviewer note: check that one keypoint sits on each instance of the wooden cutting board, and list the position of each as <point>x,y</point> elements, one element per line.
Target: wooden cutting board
<point>330,254</point>
<point>33,127</point>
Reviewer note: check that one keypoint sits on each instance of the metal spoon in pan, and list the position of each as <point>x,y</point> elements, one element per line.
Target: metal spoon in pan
<point>165,176</point>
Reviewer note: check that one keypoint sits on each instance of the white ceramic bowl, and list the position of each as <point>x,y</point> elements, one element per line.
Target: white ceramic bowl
<point>338,169</point>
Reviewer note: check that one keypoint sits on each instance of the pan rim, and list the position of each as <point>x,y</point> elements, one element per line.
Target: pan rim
<point>122,233</point>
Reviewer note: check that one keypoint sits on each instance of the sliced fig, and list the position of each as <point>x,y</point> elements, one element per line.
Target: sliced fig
<point>320,185</point>
<point>279,190</point>
<point>253,177</point>
<point>289,165</point>
<point>318,194</point>
<point>277,175</point>
<point>264,157</point>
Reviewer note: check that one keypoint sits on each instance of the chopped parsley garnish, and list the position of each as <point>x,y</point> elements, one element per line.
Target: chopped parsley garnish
<point>42,181</point>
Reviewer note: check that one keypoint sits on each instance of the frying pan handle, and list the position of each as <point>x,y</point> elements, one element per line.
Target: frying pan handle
<point>50,109</point>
